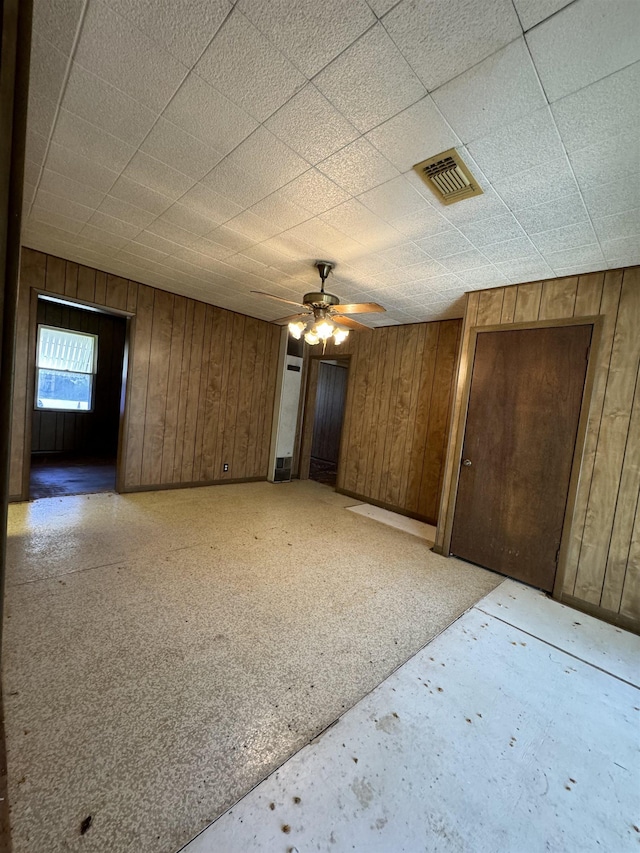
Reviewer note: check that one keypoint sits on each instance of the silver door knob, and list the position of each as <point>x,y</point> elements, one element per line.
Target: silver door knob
<point>467,463</point>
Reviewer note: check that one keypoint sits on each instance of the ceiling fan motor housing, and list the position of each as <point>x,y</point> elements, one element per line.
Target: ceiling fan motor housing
<point>320,300</point>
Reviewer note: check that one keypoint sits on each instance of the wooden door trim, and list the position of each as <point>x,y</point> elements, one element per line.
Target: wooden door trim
<point>31,372</point>
<point>308,410</point>
<point>596,323</point>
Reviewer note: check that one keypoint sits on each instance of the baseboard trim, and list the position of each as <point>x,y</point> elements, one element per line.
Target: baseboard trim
<point>164,487</point>
<point>383,505</point>
<point>617,619</point>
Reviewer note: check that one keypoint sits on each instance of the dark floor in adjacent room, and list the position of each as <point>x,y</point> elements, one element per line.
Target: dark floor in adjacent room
<point>53,476</point>
<point>323,472</point>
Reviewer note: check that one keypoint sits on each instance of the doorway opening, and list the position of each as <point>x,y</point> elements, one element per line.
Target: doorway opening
<point>78,384</point>
<point>328,416</point>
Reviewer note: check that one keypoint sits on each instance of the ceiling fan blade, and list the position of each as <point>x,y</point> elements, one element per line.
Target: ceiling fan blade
<point>359,308</point>
<point>282,320</point>
<point>351,324</point>
<point>279,298</point>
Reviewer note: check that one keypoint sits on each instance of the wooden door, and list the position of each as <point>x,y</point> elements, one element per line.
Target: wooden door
<point>329,411</point>
<point>522,421</point>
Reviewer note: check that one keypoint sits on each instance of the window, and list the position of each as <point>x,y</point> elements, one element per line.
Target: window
<point>65,369</point>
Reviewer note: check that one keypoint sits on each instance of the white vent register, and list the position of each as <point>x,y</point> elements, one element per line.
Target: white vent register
<point>448,177</point>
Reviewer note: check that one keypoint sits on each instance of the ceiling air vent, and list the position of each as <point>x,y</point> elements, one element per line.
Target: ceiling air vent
<point>448,177</point>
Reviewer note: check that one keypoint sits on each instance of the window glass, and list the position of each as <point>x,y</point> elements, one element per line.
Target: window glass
<point>66,363</point>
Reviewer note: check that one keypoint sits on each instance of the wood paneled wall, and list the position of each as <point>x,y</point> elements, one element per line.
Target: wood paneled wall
<point>602,570</point>
<point>201,381</point>
<point>93,433</point>
<point>397,414</point>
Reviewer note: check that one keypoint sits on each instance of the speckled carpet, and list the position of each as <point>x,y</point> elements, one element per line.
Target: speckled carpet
<point>165,651</point>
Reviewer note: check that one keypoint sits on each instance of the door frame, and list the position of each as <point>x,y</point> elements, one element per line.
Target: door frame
<point>576,464</point>
<point>307,413</point>
<point>31,374</point>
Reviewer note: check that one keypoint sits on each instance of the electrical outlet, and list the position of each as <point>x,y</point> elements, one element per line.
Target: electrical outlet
<point>225,467</point>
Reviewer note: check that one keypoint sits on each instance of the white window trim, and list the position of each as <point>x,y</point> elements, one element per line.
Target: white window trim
<point>92,373</point>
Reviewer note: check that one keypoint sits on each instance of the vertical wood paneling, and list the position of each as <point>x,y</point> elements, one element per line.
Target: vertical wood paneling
<point>393,403</point>
<point>589,295</point>
<point>527,302</point>
<point>490,307</point>
<point>609,311</point>
<point>612,441</point>
<point>509,304</point>
<point>201,380</point>
<point>603,555</point>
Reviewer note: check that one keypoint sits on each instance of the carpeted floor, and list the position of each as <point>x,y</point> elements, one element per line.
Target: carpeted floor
<point>165,651</point>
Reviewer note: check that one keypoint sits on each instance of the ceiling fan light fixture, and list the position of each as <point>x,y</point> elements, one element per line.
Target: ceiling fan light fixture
<point>324,329</point>
<point>296,329</point>
<point>312,338</point>
<point>340,335</point>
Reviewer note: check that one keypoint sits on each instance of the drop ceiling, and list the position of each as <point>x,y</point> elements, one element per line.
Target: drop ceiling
<point>210,148</point>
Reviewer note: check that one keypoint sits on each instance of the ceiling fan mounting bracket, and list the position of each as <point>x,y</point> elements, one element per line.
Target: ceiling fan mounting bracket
<point>324,268</point>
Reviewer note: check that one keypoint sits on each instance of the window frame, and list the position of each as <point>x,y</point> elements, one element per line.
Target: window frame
<point>92,374</point>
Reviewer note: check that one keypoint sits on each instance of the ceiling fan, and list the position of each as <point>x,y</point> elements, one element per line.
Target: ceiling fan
<point>322,316</point>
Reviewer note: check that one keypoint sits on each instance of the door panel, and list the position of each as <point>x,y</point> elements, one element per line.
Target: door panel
<point>522,421</point>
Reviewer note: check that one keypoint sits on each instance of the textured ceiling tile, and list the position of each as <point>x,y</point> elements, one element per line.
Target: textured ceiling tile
<point>35,146</point>
<point>188,219</point>
<point>157,176</point>
<point>395,199</point>
<point>58,20</point>
<point>65,187</point>
<point>538,185</point>
<point>48,67</point>
<point>575,259</point>
<point>210,204</point>
<point>422,223</point>
<point>123,56</point>
<point>426,268</point>
<point>604,162</point>
<point>510,250</point>
<point>119,209</point>
<point>278,209</point>
<point>41,113</point>
<point>264,156</point>
<point>553,214</point>
<point>568,237</point>
<point>404,255</point>
<point>115,226</point>
<point>413,135</point>
<point>592,115</point>
<point>72,165</point>
<point>64,206</point>
<point>434,35</point>
<point>468,260</point>
<point>531,12</point>
<point>144,252</point>
<point>525,269</point>
<point>478,207</point>
<point>616,197</point>
<point>80,137</point>
<point>205,113</point>
<point>487,276</point>
<point>625,224</point>
<point>371,81</point>
<point>358,222</point>
<point>310,125</point>
<point>324,237</point>
<point>228,239</point>
<point>170,232</point>
<point>498,91</point>
<point>253,227</point>
<point>314,192</point>
<point>623,247</point>
<point>530,141</point>
<point>583,43</point>
<point>309,33</point>
<point>245,67</point>
<point>171,145</point>
<point>447,243</point>
<point>98,102</point>
<point>105,239</point>
<point>139,195</point>
<point>492,230</point>
<point>207,246</point>
<point>184,29</point>
<point>358,167</point>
